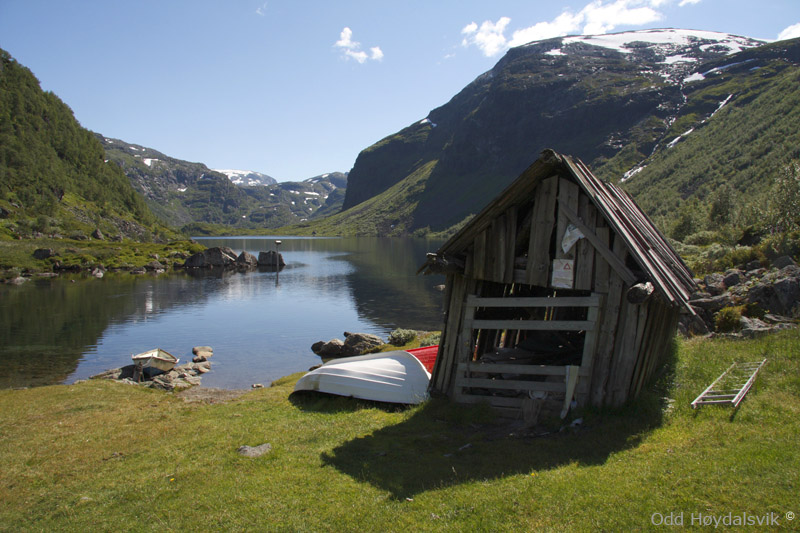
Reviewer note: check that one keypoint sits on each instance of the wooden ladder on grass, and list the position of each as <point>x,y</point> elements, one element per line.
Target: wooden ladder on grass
<point>732,386</point>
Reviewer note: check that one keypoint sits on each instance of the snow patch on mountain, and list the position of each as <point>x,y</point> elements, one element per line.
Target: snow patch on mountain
<point>246,177</point>
<point>666,40</point>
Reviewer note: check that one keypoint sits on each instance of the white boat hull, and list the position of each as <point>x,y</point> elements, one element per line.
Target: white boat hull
<point>157,358</point>
<point>394,377</point>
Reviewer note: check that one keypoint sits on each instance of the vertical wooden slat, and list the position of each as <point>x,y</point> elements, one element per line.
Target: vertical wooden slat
<point>479,255</point>
<point>585,253</point>
<point>496,260</point>
<point>608,327</point>
<point>601,268</point>
<point>646,316</point>
<point>443,370</point>
<point>624,357</point>
<point>544,216</point>
<point>437,373</point>
<point>567,193</point>
<point>589,350</point>
<point>510,249</point>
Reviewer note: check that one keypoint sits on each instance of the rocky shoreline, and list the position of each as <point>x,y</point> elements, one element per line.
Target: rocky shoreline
<point>215,258</point>
<point>179,378</point>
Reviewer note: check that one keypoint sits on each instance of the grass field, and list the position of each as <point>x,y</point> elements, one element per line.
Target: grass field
<point>106,456</point>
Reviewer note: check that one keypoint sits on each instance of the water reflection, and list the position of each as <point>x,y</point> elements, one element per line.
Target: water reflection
<point>54,331</point>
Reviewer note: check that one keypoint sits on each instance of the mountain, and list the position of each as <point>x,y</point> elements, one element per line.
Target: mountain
<point>184,193</point>
<point>247,177</point>
<point>54,178</point>
<point>633,104</point>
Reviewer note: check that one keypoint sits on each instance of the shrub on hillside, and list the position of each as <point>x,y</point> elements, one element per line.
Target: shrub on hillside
<point>728,319</point>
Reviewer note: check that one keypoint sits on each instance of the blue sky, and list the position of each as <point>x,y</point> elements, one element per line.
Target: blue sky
<point>298,88</point>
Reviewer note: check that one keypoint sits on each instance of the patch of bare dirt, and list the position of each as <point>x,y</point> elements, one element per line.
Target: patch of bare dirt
<point>209,395</point>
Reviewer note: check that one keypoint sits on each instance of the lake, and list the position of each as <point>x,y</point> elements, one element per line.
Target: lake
<point>260,324</point>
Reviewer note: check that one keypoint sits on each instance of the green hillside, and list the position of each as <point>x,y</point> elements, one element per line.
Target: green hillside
<point>724,172</point>
<point>717,142</point>
<point>53,177</point>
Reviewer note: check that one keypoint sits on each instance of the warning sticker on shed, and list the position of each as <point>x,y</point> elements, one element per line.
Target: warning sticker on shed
<point>563,273</point>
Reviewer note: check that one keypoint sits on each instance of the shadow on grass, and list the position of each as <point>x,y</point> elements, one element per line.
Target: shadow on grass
<point>320,402</point>
<point>444,444</point>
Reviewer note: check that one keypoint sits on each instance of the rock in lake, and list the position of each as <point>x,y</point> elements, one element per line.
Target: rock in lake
<point>213,257</point>
<point>271,260</point>
<point>330,349</point>
<point>246,259</point>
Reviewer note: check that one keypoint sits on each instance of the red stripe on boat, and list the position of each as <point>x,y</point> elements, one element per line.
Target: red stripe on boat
<point>426,355</point>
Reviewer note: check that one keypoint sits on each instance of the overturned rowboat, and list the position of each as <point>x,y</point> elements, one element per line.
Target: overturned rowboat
<point>393,377</point>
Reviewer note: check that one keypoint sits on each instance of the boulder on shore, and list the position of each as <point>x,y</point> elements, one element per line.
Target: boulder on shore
<point>212,257</point>
<point>354,344</point>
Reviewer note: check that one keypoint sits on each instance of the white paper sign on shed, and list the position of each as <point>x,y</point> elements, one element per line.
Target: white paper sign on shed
<point>563,273</point>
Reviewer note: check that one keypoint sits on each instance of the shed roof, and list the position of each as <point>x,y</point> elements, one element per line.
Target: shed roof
<point>647,245</point>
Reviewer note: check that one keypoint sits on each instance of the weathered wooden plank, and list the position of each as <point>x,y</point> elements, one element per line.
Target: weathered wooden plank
<point>606,341</point>
<point>510,248</point>
<point>534,325</point>
<point>617,264</point>
<point>568,193</point>
<point>503,368</point>
<point>494,401</point>
<point>465,346</point>
<point>601,268</point>
<point>512,384</point>
<point>561,301</point>
<point>444,368</point>
<point>645,324</point>
<point>642,347</point>
<point>624,356</point>
<point>584,256</point>
<point>441,356</point>
<point>479,255</point>
<point>544,218</point>
<point>589,348</point>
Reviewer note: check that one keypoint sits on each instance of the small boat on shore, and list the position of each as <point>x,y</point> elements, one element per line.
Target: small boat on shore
<point>156,358</point>
<point>393,377</point>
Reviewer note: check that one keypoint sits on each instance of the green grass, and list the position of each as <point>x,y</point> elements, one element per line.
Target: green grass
<point>16,256</point>
<point>104,456</point>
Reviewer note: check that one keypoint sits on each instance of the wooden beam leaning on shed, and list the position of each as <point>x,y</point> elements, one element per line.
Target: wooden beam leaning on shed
<point>615,262</point>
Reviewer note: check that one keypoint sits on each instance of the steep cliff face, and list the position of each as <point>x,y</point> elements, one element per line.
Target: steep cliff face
<point>613,100</point>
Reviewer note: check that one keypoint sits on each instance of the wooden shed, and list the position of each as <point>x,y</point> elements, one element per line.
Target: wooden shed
<point>561,292</point>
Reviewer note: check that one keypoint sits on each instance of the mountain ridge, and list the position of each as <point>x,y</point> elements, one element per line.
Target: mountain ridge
<point>184,193</point>
<point>613,109</point>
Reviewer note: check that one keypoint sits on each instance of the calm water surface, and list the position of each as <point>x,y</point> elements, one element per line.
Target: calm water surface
<point>261,325</point>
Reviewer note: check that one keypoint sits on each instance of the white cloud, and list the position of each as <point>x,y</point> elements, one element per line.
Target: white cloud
<point>596,17</point>
<point>352,49</point>
<point>376,53</point>
<point>562,25</point>
<point>262,10</point>
<point>488,37</point>
<point>601,17</point>
<point>688,2</point>
<point>790,33</point>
